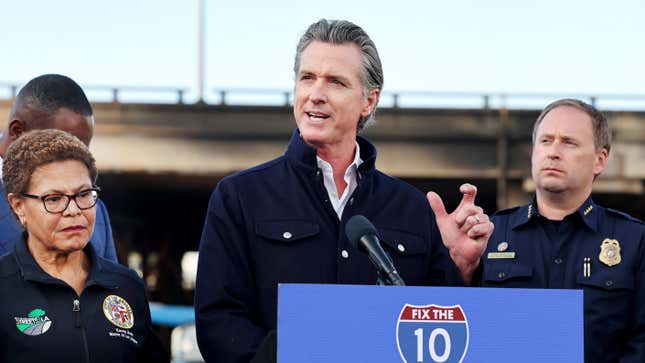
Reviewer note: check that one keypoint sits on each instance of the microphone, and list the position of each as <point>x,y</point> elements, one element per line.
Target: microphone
<point>363,236</point>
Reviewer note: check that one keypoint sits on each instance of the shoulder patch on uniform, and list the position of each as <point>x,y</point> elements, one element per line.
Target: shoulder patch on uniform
<point>624,215</point>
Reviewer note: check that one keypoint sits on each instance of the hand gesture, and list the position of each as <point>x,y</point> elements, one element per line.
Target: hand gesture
<point>465,231</point>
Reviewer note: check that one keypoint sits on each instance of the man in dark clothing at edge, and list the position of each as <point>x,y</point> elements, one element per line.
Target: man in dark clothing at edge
<point>284,221</point>
<point>563,240</point>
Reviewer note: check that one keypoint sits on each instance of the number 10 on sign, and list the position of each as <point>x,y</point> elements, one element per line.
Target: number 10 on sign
<point>432,333</point>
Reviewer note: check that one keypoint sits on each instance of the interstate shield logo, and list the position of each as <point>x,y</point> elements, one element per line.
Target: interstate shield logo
<point>432,333</point>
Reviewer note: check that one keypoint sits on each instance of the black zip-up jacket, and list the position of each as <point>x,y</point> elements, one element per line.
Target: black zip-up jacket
<point>42,319</point>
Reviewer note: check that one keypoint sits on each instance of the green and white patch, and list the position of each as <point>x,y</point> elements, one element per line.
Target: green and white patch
<point>36,323</point>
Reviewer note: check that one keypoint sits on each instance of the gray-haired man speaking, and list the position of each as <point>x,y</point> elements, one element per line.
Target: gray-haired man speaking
<point>284,221</point>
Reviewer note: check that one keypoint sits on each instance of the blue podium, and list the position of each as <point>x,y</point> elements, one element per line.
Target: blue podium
<point>351,323</point>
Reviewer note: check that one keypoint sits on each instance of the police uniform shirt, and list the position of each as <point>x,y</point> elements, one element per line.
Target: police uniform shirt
<point>42,319</point>
<point>598,250</point>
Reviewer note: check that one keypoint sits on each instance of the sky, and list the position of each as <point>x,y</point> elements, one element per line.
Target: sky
<point>494,46</point>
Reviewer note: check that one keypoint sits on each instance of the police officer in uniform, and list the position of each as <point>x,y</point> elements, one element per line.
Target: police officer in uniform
<point>563,240</point>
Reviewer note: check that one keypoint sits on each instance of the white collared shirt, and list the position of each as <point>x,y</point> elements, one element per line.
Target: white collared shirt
<point>337,202</point>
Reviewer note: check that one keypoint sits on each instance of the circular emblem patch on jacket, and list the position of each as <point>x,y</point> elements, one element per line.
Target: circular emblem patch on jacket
<point>36,323</point>
<point>118,311</point>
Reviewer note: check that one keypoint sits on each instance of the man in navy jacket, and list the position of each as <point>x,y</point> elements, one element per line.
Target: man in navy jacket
<point>51,101</point>
<point>284,221</point>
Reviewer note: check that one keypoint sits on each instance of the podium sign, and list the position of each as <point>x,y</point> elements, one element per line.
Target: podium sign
<point>411,324</point>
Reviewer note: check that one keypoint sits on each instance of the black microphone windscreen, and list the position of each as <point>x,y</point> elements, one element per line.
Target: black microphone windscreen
<point>357,227</point>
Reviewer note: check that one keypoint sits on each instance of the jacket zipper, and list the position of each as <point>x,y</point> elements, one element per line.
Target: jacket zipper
<point>79,324</point>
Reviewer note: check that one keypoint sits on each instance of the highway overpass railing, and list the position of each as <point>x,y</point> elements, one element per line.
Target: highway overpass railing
<point>392,99</point>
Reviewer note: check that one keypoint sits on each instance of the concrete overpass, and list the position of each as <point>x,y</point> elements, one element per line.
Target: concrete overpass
<point>205,142</point>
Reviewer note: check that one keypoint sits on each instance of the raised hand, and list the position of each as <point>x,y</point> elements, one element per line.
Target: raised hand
<point>465,231</point>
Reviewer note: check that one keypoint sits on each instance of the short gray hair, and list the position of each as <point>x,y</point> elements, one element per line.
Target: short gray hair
<point>602,133</point>
<point>342,32</point>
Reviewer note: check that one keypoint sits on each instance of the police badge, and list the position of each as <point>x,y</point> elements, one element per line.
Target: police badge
<point>610,252</point>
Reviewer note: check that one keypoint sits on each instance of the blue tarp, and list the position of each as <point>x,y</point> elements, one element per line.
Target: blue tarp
<point>171,315</point>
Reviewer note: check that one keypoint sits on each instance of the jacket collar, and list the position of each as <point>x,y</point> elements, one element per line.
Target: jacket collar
<point>305,155</point>
<point>588,213</point>
<point>31,271</point>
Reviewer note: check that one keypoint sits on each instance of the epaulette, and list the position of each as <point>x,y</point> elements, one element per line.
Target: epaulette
<point>507,210</point>
<point>623,215</point>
